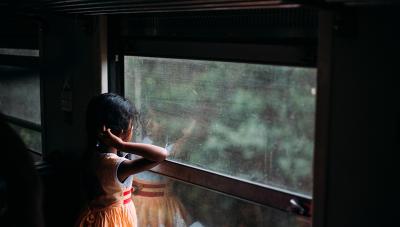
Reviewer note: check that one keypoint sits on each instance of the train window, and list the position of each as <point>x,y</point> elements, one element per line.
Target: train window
<point>20,98</point>
<point>242,129</point>
<point>232,96</point>
<point>254,122</point>
<point>20,93</point>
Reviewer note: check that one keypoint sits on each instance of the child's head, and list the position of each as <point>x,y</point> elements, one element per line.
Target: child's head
<point>113,112</point>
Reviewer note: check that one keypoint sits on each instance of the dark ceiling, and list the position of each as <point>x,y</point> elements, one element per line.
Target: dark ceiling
<point>98,7</point>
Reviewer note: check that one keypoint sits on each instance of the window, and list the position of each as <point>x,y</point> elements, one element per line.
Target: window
<point>251,121</point>
<point>20,96</point>
<point>232,96</point>
<point>227,125</point>
<point>20,93</point>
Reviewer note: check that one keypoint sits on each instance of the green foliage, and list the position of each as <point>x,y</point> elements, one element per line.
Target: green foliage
<point>253,121</point>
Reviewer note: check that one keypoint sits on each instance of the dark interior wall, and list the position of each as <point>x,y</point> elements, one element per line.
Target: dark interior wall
<point>364,117</point>
<point>69,54</point>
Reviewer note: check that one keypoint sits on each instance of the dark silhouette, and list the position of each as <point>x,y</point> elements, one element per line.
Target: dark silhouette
<point>20,186</point>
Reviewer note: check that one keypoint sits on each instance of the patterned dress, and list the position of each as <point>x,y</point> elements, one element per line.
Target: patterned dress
<point>114,207</point>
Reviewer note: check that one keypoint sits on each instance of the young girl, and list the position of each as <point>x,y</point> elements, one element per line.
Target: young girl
<point>110,123</point>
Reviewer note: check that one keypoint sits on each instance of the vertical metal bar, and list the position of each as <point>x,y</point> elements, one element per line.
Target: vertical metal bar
<point>324,64</point>
<point>115,57</point>
<point>41,84</point>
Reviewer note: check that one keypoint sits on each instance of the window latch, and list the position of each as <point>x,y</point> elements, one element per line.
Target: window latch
<point>299,208</point>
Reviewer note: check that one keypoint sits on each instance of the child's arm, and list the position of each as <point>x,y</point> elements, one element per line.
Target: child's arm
<point>147,151</point>
<point>152,155</point>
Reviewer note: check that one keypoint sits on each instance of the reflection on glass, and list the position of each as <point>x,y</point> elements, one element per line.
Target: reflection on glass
<point>251,121</point>
<point>178,204</point>
<point>20,93</point>
<point>31,138</point>
<point>155,202</point>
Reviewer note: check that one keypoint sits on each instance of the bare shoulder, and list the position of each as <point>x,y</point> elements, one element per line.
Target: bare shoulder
<point>130,167</point>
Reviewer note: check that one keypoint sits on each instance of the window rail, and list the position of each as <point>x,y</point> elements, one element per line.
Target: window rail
<point>258,193</point>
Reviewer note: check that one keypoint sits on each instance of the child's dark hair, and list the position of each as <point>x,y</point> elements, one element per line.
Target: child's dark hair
<point>109,110</point>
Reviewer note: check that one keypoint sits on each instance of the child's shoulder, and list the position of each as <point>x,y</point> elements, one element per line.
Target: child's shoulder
<point>108,155</point>
<point>108,158</point>
<point>107,163</point>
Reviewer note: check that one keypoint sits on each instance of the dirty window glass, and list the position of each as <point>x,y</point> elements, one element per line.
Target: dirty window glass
<point>20,93</point>
<point>251,121</point>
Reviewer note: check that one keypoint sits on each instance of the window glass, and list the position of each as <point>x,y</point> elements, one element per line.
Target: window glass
<point>20,93</point>
<point>161,201</point>
<point>251,121</point>
<point>31,138</point>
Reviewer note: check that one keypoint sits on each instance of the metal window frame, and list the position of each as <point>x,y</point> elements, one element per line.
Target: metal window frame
<point>293,55</point>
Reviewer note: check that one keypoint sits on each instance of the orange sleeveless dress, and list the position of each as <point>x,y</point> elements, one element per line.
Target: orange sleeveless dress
<point>114,207</point>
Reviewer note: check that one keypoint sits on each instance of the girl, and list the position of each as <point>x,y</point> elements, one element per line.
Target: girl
<point>110,123</point>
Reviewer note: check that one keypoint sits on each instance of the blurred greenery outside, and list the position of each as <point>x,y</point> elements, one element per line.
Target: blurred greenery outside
<point>251,121</point>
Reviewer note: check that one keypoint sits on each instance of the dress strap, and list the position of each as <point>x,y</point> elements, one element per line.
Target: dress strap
<point>127,196</point>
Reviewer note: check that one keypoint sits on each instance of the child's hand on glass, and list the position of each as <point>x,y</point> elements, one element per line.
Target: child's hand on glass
<point>188,130</point>
<point>109,139</point>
